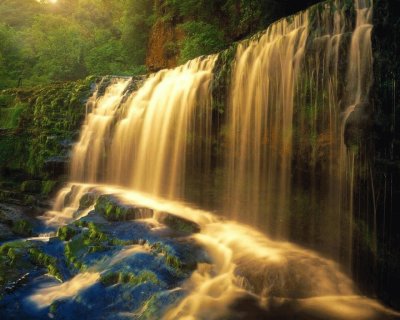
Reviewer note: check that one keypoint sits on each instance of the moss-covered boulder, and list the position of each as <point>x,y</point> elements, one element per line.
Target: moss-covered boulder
<point>87,200</point>
<point>39,258</point>
<point>115,210</point>
<point>66,233</point>
<point>22,228</point>
<point>130,278</point>
<point>178,223</point>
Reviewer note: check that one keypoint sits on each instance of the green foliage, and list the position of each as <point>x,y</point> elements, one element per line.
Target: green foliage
<point>10,57</point>
<point>138,20</point>
<point>45,42</point>
<point>56,45</point>
<point>9,117</point>
<point>48,186</point>
<point>201,38</point>
<point>37,121</point>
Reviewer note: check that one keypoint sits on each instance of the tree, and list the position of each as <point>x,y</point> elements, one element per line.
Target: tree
<point>57,46</point>
<point>10,57</point>
<point>137,23</point>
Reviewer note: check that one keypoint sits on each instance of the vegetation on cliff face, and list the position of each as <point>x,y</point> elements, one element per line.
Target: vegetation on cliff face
<point>37,128</point>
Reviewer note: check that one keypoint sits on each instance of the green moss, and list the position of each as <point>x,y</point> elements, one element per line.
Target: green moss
<point>53,307</point>
<point>41,117</point>
<point>22,228</point>
<point>48,187</point>
<point>32,186</point>
<point>87,200</point>
<point>88,242</point>
<point>66,233</point>
<point>159,248</point>
<point>113,210</point>
<point>39,258</point>
<point>9,117</point>
<point>222,77</point>
<point>112,278</point>
<point>13,263</point>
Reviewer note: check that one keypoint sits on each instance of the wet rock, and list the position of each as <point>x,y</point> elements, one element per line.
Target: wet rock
<point>32,186</point>
<point>10,214</point>
<point>357,125</point>
<point>114,210</point>
<point>56,166</point>
<point>87,200</point>
<point>22,228</point>
<point>66,233</point>
<point>5,232</point>
<point>178,223</point>
<point>16,220</point>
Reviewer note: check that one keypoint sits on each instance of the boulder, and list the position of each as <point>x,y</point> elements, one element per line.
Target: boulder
<point>87,200</point>
<point>178,223</point>
<point>114,210</point>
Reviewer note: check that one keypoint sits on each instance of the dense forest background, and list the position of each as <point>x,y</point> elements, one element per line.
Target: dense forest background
<point>42,41</point>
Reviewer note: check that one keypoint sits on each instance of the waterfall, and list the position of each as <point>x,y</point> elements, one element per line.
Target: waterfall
<point>292,90</point>
<point>290,158</point>
<point>144,139</point>
<point>289,165</point>
<point>281,156</point>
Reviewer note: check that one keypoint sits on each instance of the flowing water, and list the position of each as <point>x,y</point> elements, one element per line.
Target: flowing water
<point>292,90</point>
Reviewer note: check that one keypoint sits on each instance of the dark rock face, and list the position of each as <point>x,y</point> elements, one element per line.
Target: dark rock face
<point>377,264</point>
<point>358,125</point>
<point>56,166</point>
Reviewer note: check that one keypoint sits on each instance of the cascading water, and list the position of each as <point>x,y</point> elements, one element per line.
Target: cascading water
<point>142,141</point>
<point>290,97</point>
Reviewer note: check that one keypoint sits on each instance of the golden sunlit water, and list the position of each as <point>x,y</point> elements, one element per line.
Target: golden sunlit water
<point>138,145</point>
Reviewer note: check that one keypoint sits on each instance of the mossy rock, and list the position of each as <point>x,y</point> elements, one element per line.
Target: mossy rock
<point>87,200</point>
<point>48,187</point>
<point>42,259</point>
<point>32,186</point>
<point>14,265</point>
<point>22,228</point>
<point>112,278</point>
<point>178,223</point>
<point>91,239</point>
<point>114,210</point>
<point>66,233</point>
